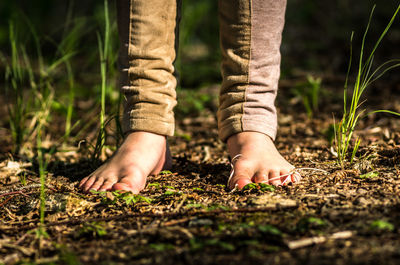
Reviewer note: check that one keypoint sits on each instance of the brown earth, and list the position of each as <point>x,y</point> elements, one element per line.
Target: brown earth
<point>187,216</point>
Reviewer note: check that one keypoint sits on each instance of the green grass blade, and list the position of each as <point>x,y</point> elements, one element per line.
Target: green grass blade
<point>383,34</point>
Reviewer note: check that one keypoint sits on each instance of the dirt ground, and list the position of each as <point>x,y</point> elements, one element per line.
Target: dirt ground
<point>187,215</point>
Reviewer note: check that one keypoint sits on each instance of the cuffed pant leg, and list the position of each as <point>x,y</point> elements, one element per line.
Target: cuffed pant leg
<point>148,30</point>
<point>250,32</point>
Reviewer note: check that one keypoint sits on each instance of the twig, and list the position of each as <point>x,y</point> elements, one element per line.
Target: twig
<point>305,242</point>
<point>181,203</point>
<point>78,221</point>
<point>6,192</point>
<point>5,201</point>
<point>25,251</point>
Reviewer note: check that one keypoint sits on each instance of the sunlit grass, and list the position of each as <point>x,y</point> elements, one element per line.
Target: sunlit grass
<point>351,110</point>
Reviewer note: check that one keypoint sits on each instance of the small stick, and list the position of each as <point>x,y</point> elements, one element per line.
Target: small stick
<point>181,203</point>
<point>305,242</point>
<point>13,193</point>
<point>5,201</point>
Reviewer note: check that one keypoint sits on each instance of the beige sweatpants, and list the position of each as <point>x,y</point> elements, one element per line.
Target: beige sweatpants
<point>250,36</point>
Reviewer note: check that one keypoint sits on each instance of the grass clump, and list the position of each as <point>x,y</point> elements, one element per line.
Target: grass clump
<point>381,225</point>
<point>365,76</point>
<point>259,187</point>
<point>309,92</point>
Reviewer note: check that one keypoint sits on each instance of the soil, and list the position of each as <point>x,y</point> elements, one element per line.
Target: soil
<point>335,215</point>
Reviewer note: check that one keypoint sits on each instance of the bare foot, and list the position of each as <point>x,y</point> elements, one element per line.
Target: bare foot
<point>259,161</point>
<point>140,155</point>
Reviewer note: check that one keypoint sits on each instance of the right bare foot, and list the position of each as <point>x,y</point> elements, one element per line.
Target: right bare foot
<point>140,155</point>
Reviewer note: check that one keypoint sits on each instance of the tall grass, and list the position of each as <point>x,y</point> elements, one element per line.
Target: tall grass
<point>104,51</point>
<point>309,92</point>
<point>15,76</point>
<point>30,81</point>
<point>365,77</point>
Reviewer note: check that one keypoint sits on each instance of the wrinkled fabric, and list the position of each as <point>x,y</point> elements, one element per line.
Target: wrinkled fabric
<point>250,41</point>
<point>147,52</point>
<point>250,36</point>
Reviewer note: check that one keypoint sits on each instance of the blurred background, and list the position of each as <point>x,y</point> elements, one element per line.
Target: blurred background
<point>316,36</point>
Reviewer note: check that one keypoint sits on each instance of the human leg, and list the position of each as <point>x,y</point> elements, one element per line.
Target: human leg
<point>250,40</point>
<point>147,35</point>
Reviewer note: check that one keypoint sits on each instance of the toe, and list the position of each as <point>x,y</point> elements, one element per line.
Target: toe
<point>130,183</point>
<point>296,177</point>
<point>240,182</point>
<point>242,174</point>
<point>261,177</point>
<point>287,176</point>
<point>97,184</point>
<point>107,185</point>
<point>125,187</point>
<point>83,181</point>
<point>89,182</point>
<point>274,177</point>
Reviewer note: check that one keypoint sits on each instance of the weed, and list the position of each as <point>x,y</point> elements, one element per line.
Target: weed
<point>30,111</point>
<point>127,198</point>
<point>154,184</point>
<point>68,257</point>
<point>161,246</point>
<point>104,51</point>
<point>94,229</point>
<point>22,178</point>
<point>258,187</point>
<point>170,192</point>
<point>185,136</point>
<point>371,174</point>
<point>269,229</point>
<point>309,92</point>
<point>198,244</point>
<point>381,225</point>
<point>308,223</point>
<point>213,207</point>
<point>365,76</point>
<point>165,172</point>
<point>15,76</point>
<point>192,102</point>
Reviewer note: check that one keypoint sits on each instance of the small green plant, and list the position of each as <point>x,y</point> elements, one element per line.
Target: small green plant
<point>369,175</point>
<point>170,192</point>
<point>155,185</point>
<point>193,102</point>
<point>15,76</point>
<point>308,223</point>
<point>365,76</point>
<point>309,92</point>
<point>67,256</point>
<point>94,229</point>
<point>216,206</point>
<point>198,244</point>
<point>161,246</point>
<point>22,178</point>
<point>165,172</point>
<point>258,187</point>
<point>29,85</point>
<point>127,198</point>
<point>381,225</point>
<point>269,229</point>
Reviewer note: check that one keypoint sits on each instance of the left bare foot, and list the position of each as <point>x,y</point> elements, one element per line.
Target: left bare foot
<point>259,160</point>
